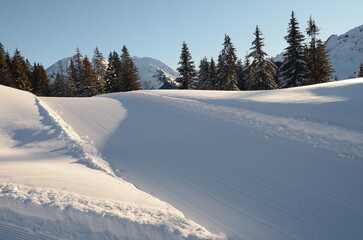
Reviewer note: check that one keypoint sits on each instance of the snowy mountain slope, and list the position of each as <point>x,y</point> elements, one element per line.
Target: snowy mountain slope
<point>146,66</point>
<point>346,52</point>
<point>284,164</point>
<point>46,188</point>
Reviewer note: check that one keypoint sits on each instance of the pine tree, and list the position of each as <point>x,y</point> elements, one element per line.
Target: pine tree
<point>80,87</point>
<point>212,75</point>
<point>316,56</point>
<point>241,75</point>
<point>5,74</point>
<point>293,71</point>
<point>19,70</point>
<point>262,72</point>
<point>89,79</point>
<point>100,70</point>
<point>70,85</point>
<point>128,77</point>
<point>204,80</point>
<point>227,66</point>
<point>40,81</point>
<point>360,72</point>
<point>112,73</point>
<point>186,70</point>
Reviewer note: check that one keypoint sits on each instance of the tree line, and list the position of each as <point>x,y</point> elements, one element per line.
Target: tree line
<point>303,64</point>
<point>82,77</point>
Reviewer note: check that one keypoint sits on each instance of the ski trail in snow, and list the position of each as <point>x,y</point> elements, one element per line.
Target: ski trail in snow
<point>344,142</point>
<point>89,154</point>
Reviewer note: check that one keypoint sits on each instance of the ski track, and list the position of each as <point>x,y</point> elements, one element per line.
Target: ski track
<point>303,193</point>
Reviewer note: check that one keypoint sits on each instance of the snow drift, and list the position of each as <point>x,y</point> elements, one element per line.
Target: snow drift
<point>282,164</point>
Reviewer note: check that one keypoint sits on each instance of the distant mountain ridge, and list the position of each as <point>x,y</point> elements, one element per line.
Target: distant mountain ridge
<point>147,69</point>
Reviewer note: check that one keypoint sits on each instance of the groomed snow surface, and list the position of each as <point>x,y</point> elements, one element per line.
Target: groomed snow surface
<point>283,164</point>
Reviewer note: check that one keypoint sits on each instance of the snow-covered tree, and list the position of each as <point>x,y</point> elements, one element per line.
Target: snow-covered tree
<point>293,71</point>
<point>112,73</point>
<point>319,68</point>
<point>100,70</point>
<point>262,72</point>
<point>204,81</point>
<point>227,66</point>
<point>128,77</point>
<point>186,69</point>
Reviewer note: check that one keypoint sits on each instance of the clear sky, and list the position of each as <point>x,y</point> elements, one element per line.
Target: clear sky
<point>48,30</point>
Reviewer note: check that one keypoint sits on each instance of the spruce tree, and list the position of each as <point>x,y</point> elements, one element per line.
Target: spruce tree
<point>360,72</point>
<point>212,74</point>
<point>319,68</point>
<point>262,72</point>
<point>241,75</point>
<point>100,70</point>
<point>128,77</point>
<point>293,71</point>
<point>227,66</point>
<point>19,70</point>
<point>70,85</point>
<point>40,81</point>
<point>77,77</point>
<point>204,80</point>
<point>5,74</point>
<point>186,69</point>
<point>112,73</point>
<point>89,78</point>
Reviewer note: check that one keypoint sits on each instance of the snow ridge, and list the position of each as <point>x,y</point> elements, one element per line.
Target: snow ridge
<point>89,155</point>
<point>89,218</point>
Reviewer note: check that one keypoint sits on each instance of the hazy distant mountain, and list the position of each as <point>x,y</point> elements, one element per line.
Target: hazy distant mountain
<point>146,66</point>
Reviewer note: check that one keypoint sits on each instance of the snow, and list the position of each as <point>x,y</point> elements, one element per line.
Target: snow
<point>282,164</point>
<point>53,182</point>
<point>278,164</point>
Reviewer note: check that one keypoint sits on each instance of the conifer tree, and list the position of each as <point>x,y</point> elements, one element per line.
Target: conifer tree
<point>77,77</point>
<point>5,74</point>
<point>186,69</point>
<point>59,86</point>
<point>262,72</point>
<point>128,77</point>
<point>319,68</point>
<point>19,70</point>
<point>40,81</point>
<point>212,74</point>
<point>360,72</point>
<point>112,73</point>
<point>70,85</point>
<point>293,71</point>
<point>89,79</point>
<point>100,70</point>
<point>241,75</point>
<point>204,80</point>
<point>227,66</point>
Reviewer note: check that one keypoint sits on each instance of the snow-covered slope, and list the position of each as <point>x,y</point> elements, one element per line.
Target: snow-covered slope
<point>282,164</point>
<point>55,183</point>
<point>146,66</point>
<point>346,52</point>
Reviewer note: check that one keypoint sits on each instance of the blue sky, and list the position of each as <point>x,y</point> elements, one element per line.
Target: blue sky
<point>47,30</point>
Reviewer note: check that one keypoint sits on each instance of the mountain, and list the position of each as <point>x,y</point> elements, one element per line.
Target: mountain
<point>346,52</point>
<point>146,66</point>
